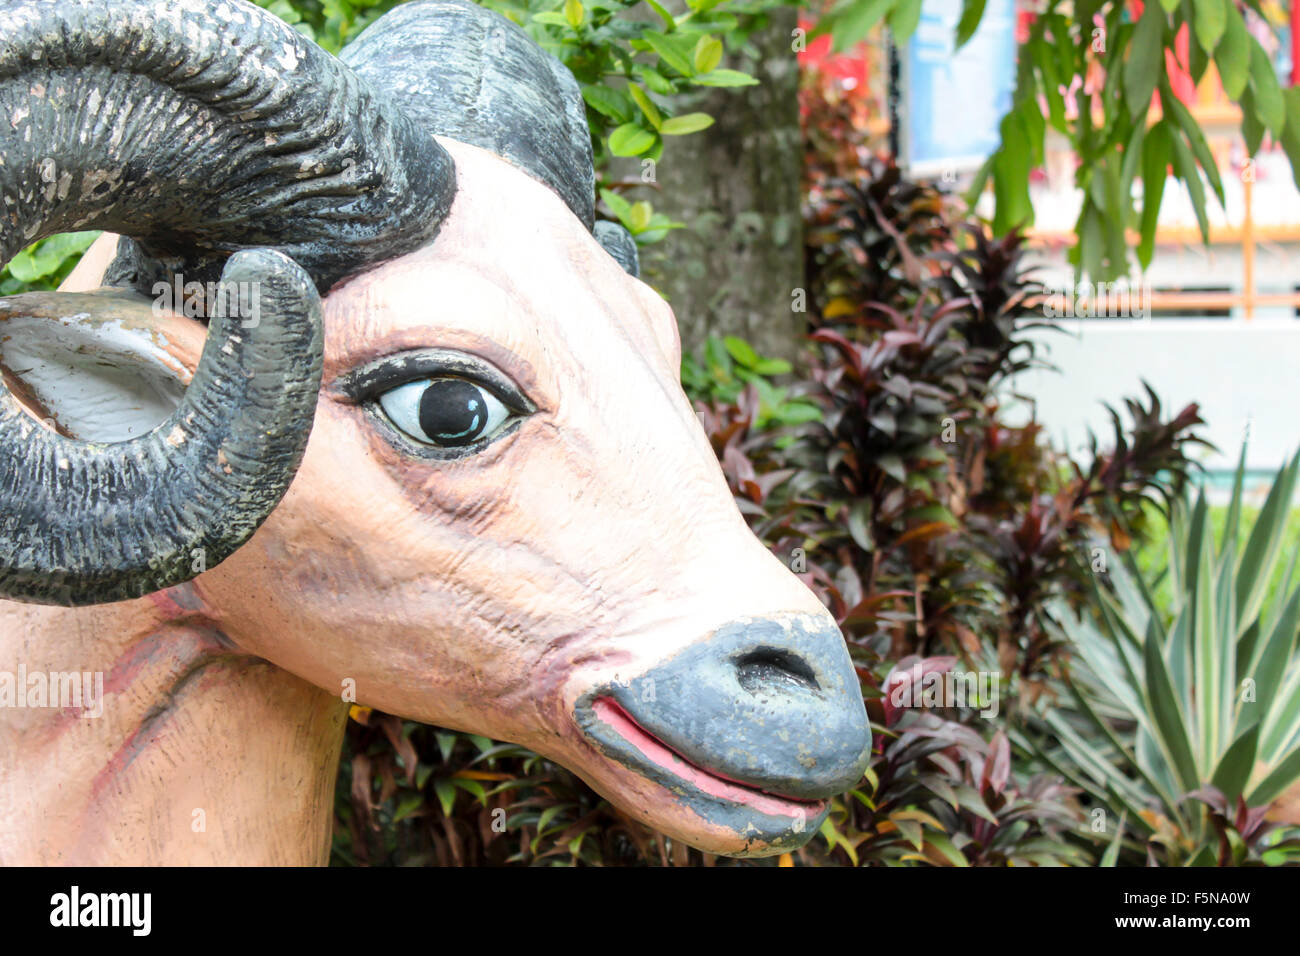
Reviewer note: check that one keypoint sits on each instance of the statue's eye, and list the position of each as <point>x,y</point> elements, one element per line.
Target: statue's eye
<point>444,412</point>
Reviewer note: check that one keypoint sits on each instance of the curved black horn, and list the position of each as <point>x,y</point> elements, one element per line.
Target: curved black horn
<point>197,128</point>
<point>86,523</point>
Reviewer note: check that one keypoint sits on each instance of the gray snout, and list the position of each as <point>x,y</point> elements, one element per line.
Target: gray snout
<point>770,703</point>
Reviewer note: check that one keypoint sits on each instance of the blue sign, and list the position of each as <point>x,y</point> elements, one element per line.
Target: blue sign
<point>952,103</point>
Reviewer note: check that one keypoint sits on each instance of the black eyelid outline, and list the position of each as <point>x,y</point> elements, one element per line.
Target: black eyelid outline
<point>367,382</point>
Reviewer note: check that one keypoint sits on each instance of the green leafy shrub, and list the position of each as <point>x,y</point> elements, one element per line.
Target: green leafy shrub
<point>1088,71</point>
<point>727,365</point>
<point>1185,721</point>
<point>937,794</point>
<point>632,59</point>
<point>629,69</point>
<point>650,60</point>
<point>42,266</point>
<point>931,525</point>
<point>413,795</point>
<point>329,23</point>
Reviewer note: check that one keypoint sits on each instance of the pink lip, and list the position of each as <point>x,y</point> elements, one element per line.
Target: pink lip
<point>657,753</point>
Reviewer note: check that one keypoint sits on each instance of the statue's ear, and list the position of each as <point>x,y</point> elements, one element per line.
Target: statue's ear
<point>103,366</point>
<point>618,242</point>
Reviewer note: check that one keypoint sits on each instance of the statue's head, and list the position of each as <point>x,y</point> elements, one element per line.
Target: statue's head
<point>428,439</point>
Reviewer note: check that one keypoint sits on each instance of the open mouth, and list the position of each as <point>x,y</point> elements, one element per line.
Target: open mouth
<point>750,812</point>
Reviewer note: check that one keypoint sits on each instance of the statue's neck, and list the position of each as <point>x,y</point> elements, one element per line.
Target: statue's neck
<point>201,755</point>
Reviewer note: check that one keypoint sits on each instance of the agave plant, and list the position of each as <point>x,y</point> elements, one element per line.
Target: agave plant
<point>1187,706</point>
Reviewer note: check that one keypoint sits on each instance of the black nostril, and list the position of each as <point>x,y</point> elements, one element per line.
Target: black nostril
<point>767,669</point>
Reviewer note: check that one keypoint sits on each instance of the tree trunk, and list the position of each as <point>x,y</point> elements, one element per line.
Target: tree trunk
<point>736,185</point>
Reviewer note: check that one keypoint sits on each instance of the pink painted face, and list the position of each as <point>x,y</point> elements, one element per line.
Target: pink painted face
<point>509,521</point>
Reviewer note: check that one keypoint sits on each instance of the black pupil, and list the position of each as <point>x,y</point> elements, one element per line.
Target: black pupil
<point>452,412</point>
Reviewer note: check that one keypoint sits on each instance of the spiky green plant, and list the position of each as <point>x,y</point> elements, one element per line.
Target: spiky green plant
<point>1186,711</point>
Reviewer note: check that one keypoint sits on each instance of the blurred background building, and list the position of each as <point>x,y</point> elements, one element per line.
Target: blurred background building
<point>1216,324</point>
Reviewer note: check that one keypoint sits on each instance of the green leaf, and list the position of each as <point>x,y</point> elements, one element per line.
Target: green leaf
<point>1192,130</point>
<point>941,843</point>
<point>473,787</point>
<point>859,17</point>
<point>574,14</point>
<point>608,102</point>
<point>892,465</point>
<point>1235,766</point>
<point>669,52</point>
<point>1209,676</point>
<point>547,815</point>
<point>1011,177</point>
<point>969,798</point>
<point>741,351</point>
<point>859,524</point>
<point>1255,568</point>
<point>687,123</point>
<point>708,53</point>
<point>929,513</point>
<point>1290,132</point>
<point>1252,130</point>
<point>972,11</point>
<point>724,78</point>
<point>647,107</point>
<point>630,140</point>
<point>771,366</point>
<point>1132,155</point>
<point>408,805</point>
<point>639,216</point>
<point>1209,22</point>
<point>1283,777</point>
<point>1044,56</point>
<point>1204,857</point>
<point>903,19</point>
<point>655,80</point>
<point>1232,55</point>
<point>620,206</point>
<point>1269,104</point>
<point>1168,717</point>
<point>1232,523</point>
<point>1114,777</point>
<point>47,262</point>
<point>1145,61</point>
<point>446,791</point>
<point>551,18</point>
<point>664,15</point>
<point>446,744</point>
<point>796,413</point>
<point>1112,852</point>
<point>911,831</point>
<point>1185,165</point>
<point>1155,165</point>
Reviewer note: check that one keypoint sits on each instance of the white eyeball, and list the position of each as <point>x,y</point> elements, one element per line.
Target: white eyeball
<point>444,412</point>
